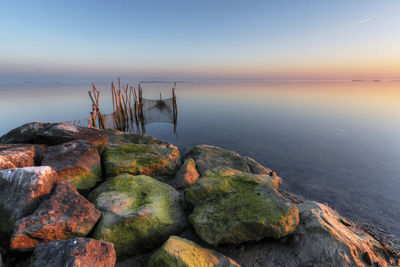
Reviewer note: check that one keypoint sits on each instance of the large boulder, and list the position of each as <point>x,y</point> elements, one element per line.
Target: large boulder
<point>187,174</point>
<point>148,159</point>
<point>234,207</point>
<point>56,134</point>
<point>21,191</point>
<point>210,157</point>
<point>24,133</point>
<point>78,252</point>
<point>66,214</point>
<point>328,239</point>
<point>180,252</point>
<point>19,155</point>
<point>77,161</point>
<point>138,213</point>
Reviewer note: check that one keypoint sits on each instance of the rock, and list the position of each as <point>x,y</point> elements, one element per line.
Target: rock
<point>210,157</point>
<point>234,207</point>
<point>327,241</point>
<point>21,191</point>
<point>78,252</point>
<point>187,174</point>
<point>66,214</point>
<point>152,160</point>
<point>117,138</point>
<point>24,133</point>
<point>138,213</point>
<point>77,161</point>
<point>177,251</point>
<point>19,155</point>
<point>56,134</point>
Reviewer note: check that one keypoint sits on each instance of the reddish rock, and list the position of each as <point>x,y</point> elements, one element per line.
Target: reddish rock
<point>61,133</point>
<point>76,161</point>
<point>21,191</point>
<point>66,214</point>
<point>19,155</point>
<point>78,252</point>
<point>187,174</point>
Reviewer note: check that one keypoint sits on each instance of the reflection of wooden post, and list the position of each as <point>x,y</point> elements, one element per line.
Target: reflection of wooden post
<point>141,116</point>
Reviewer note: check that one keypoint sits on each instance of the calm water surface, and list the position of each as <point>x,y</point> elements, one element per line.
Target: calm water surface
<point>336,142</point>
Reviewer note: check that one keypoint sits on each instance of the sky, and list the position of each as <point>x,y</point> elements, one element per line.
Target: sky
<point>200,40</point>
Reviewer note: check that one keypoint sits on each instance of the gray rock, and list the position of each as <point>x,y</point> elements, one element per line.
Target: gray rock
<point>234,207</point>
<point>77,161</point>
<point>187,174</point>
<point>210,157</point>
<point>66,214</point>
<point>24,133</point>
<point>117,138</point>
<point>19,155</point>
<point>78,252</point>
<point>21,191</point>
<point>329,239</point>
<point>56,134</point>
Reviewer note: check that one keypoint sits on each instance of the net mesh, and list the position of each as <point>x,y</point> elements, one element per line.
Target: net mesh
<point>158,110</point>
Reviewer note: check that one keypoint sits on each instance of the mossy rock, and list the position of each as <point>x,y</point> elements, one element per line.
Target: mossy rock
<point>138,213</point>
<point>180,252</point>
<point>148,159</point>
<point>117,137</point>
<point>234,207</point>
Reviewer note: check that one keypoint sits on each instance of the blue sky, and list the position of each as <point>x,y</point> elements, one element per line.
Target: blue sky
<point>200,39</point>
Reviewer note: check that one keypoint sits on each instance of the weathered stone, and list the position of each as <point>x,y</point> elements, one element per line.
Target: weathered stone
<point>19,155</point>
<point>77,161</point>
<point>66,214</point>
<point>180,252</point>
<point>21,191</point>
<point>210,157</point>
<point>24,133</point>
<point>187,174</point>
<point>78,252</point>
<point>152,160</point>
<point>327,239</point>
<point>117,138</point>
<point>138,213</point>
<point>56,134</point>
<point>234,207</point>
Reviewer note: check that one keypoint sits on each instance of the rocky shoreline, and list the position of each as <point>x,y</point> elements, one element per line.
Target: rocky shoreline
<point>76,196</point>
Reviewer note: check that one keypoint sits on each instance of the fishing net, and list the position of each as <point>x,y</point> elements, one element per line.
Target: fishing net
<point>162,110</point>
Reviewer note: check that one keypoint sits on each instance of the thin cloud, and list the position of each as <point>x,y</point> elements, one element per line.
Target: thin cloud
<point>358,23</point>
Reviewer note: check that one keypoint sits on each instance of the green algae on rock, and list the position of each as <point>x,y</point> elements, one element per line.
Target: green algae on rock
<point>234,207</point>
<point>180,252</point>
<point>138,213</point>
<point>118,137</point>
<point>148,159</point>
<point>209,157</point>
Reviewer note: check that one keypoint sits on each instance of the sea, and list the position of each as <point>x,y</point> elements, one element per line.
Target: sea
<point>335,142</point>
